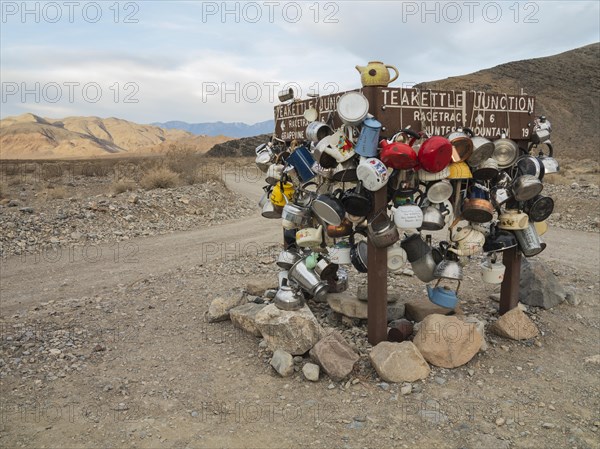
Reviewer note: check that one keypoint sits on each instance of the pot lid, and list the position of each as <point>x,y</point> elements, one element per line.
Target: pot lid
<point>352,107</point>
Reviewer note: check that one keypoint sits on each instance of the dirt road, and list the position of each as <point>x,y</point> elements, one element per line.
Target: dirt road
<point>113,351</point>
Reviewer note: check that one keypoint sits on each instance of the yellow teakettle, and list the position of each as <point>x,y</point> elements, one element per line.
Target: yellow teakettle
<point>376,74</point>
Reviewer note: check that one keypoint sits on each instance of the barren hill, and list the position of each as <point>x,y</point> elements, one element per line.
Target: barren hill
<point>29,136</point>
<point>567,91</point>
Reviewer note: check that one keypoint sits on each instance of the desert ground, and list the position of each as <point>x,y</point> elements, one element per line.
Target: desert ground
<point>106,277</point>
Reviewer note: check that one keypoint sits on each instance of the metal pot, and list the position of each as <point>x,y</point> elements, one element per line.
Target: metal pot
<point>435,154</point>
<point>415,247</point>
<point>352,108</point>
<point>329,208</point>
<point>358,255</point>
<point>505,152</point>
<point>530,165</point>
<point>424,267</point>
<point>529,241</point>
<point>340,283</point>
<point>316,131</point>
<point>488,169</point>
<point>482,150</point>
<point>287,258</point>
<point>440,191</point>
<point>270,210</point>
<point>526,187</point>
<point>288,297</point>
<point>326,269</point>
<point>345,171</point>
<point>462,145</point>
<point>307,279</point>
<point>297,215</point>
<point>404,183</point>
<point>448,269</point>
<point>478,210</point>
<point>382,233</point>
<point>539,208</point>
<point>550,164</point>
<point>342,230</point>
<point>433,219</point>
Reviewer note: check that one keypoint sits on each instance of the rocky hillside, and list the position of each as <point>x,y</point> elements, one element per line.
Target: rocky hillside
<point>235,129</point>
<point>238,147</point>
<point>566,88</point>
<point>29,136</point>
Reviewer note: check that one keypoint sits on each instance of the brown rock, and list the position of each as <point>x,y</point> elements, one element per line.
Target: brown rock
<point>219,307</point>
<point>335,356</point>
<point>347,304</point>
<point>399,362</point>
<point>447,341</point>
<point>417,310</point>
<point>259,286</point>
<point>515,325</point>
<point>244,317</point>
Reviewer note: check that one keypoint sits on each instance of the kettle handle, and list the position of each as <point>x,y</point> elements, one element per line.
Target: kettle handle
<point>395,70</point>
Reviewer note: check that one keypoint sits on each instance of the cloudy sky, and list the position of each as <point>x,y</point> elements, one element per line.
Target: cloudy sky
<point>209,61</point>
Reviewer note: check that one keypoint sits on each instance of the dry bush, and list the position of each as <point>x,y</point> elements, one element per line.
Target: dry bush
<point>122,185</point>
<point>15,180</point>
<point>186,162</point>
<point>159,178</point>
<point>56,193</point>
<point>3,189</point>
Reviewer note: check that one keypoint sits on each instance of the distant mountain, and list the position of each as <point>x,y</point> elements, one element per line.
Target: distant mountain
<point>235,129</point>
<point>29,136</point>
<point>566,88</point>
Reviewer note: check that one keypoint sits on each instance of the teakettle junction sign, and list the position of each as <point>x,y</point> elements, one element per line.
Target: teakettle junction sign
<point>431,111</point>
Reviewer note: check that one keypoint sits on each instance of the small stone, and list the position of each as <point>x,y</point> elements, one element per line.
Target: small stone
<point>283,363</point>
<point>331,386</point>
<point>406,389</point>
<point>298,359</point>
<point>515,325</point>
<point>384,386</point>
<point>55,351</point>
<point>500,421</point>
<point>574,185</point>
<point>311,372</point>
<point>594,359</point>
<point>439,380</point>
<point>219,307</point>
<point>471,372</point>
<point>26,210</point>
<point>548,425</point>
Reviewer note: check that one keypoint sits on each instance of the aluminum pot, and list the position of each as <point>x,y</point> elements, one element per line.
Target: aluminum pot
<point>526,187</point>
<point>415,247</point>
<point>529,241</point>
<point>316,131</point>
<point>358,254</point>
<point>307,279</point>
<point>505,152</point>
<point>382,233</point>
<point>433,218</point>
<point>550,164</point>
<point>287,258</point>
<point>296,215</point>
<point>488,169</point>
<point>482,150</point>
<point>288,297</point>
<point>530,165</point>
<point>357,201</point>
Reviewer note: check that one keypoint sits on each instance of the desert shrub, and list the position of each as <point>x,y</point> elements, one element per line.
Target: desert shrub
<point>159,178</point>
<point>122,185</point>
<point>186,162</point>
<point>3,189</point>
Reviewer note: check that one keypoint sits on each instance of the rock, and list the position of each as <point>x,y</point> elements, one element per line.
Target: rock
<point>335,356</point>
<point>219,307</point>
<point>311,372</point>
<point>347,304</point>
<point>76,235</point>
<point>293,331</point>
<point>133,198</point>
<point>362,294</point>
<point>26,210</point>
<point>515,325</point>
<point>574,185</point>
<point>258,287</point>
<point>539,285</point>
<point>283,362</point>
<point>480,326</point>
<point>395,311</point>
<point>417,310</point>
<point>571,296</point>
<point>406,389</point>
<point>244,317</point>
<point>447,341</point>
<point>398,362</point>
<point>594,359</point>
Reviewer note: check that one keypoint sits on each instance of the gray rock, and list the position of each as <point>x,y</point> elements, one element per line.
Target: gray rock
<point>260,286</point>
<point>219,307</point>
<point>26,210</point>
<point>283,363</point>
<point>571,296</point>
<point>539,285</point>
<point>311,372</point>
<point>395,311</point>
<point>244,317</point>
<point>335,356</point>
<point>293,331</point>
<point>348,305</point>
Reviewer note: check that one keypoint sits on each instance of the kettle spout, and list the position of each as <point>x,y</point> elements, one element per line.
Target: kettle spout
<point>361,69</point>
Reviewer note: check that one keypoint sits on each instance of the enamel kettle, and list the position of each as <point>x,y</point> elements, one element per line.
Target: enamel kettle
<point>442,296</point>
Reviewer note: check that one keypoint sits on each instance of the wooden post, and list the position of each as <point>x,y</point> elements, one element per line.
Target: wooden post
<point>509,292</point>
<point>377,281</point>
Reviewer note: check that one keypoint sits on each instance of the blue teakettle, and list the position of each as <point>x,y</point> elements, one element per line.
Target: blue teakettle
<point>442,296</point>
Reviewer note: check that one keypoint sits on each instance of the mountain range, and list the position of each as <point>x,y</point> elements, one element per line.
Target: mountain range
<point>234,129</point>
<point>29,136</point>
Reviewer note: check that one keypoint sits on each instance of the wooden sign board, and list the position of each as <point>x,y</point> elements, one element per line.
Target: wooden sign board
<point>432,111</point>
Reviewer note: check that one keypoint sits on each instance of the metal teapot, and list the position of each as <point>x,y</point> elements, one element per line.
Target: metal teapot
<point>288,297</point>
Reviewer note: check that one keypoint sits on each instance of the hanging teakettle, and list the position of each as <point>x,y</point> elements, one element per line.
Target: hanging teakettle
<point>376,74</point>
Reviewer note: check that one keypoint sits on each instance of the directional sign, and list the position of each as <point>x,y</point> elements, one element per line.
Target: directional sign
<point>435,112</point>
